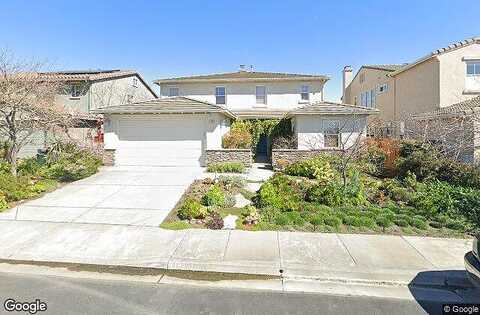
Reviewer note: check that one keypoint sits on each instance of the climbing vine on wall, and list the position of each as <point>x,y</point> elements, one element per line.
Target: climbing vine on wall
<point>272,128</point>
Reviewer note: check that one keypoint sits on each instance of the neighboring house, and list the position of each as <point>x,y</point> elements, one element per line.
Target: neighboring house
<point>186,125</point>
<point>87,90</point>
<point>455,128</point>
<point>446,76</point>
<point>84,91</point>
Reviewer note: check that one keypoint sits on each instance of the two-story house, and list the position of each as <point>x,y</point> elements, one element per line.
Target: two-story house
<point>249,94</point>
<point>84,91</point>
<point>444,77</point>
<point>194,113</point>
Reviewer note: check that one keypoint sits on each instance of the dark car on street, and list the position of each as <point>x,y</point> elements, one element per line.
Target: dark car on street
<point>472,262</point>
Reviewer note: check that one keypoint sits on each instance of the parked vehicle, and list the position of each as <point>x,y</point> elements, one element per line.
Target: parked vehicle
<point>472,262</point>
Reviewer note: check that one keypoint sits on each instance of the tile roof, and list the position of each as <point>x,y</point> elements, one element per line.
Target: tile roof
<point>93,75</point>
<point>87,75</point>
<point>244,76</point>
<point>390,67</point>
<point>464,108</point>
<point>170,105</point>
<point>331,108</point>
<point>460,44</point>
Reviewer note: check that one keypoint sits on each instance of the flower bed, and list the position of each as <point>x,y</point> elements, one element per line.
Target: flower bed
<point>423,194</point>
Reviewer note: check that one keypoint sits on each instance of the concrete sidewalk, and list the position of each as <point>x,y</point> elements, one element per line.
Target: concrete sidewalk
<point>340,257</point>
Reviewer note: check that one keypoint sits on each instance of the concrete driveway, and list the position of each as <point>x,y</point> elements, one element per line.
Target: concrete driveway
<point>141,196</point>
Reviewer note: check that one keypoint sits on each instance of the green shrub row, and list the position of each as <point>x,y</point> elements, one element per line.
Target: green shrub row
<point>227,167</point>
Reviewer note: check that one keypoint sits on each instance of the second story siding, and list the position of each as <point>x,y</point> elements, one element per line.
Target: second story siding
<point>239,96</point>
<point>248,90</point>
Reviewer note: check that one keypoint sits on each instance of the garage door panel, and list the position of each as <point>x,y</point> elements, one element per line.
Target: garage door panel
<point>160,142</point>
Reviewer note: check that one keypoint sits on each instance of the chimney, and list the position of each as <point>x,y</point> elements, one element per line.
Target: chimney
<point>347,79</point>
<point>241,68</point>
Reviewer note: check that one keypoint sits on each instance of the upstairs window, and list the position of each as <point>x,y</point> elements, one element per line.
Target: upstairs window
<point>473,68</point>
<point>368,99</point>
<point>305,94</point>
<point>261,94</point>
<point>220,95</point>
<point>373,98</point>
<point>382,88</point>
<point>135,82</point>
<point>172,91</point>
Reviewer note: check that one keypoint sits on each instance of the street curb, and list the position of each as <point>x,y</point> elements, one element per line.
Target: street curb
<point>205,271</point>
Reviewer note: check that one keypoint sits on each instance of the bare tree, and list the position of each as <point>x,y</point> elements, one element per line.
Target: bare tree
<point>27,104</point>
<point>453,135</point>
<point>346,136</point>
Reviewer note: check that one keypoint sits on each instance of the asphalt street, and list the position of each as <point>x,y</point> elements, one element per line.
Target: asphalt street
<point>64,295</point>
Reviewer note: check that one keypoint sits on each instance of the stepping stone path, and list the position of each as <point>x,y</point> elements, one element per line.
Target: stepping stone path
<point>241,201</point>
<point>230,222</point>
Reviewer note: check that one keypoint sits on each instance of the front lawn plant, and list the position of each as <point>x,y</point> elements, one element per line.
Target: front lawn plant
<point>227,167</point>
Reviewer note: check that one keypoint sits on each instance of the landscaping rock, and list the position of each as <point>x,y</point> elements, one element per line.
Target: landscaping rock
<point>230,222</point>
<point>241,201</point>
<point>253,187</point>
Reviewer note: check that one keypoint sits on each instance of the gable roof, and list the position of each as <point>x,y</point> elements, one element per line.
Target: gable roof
<point>465,108</point>
<point>454,46</point>
<point>242,76</point>
<point>331,108</point>
<point>94,75</point>
<point>170,105</point>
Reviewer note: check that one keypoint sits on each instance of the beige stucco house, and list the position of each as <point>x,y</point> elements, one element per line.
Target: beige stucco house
<point>186,124</point>
<point>444,77</point>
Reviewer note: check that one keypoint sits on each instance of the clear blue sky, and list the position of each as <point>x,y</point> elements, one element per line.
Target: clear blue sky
<point>172,38</point>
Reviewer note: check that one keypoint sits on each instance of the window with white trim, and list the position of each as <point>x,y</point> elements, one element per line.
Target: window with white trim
<point>368,99</point>
<point>261,94</point>
<point>220,95</point>
<point>331,134</point>
<point>373,98</point>
<point>305,94</point>
<point>172,91</point>
<point>473,68</point>
<point>382,88</point>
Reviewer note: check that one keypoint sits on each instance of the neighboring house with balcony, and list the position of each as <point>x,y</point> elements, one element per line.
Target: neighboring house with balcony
<point>444,77</point>
<point>186,124</point>
<point>84,91</point>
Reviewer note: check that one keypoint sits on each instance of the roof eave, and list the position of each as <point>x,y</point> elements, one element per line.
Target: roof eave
<point>159,112</point>
<point>180,81</point>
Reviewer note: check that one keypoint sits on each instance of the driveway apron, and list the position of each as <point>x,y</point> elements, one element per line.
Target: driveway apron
<point>139,196</point>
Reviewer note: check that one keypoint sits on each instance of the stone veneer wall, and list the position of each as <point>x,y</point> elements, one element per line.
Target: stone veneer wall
<point>109,157</point>
<point>229,155</point>
<point>283,157</point>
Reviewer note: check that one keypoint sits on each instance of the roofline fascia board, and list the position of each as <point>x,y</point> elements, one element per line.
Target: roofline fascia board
<point>180,81</point>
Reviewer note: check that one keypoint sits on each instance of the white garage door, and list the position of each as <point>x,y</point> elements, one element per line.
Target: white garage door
<point>162,141</point>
